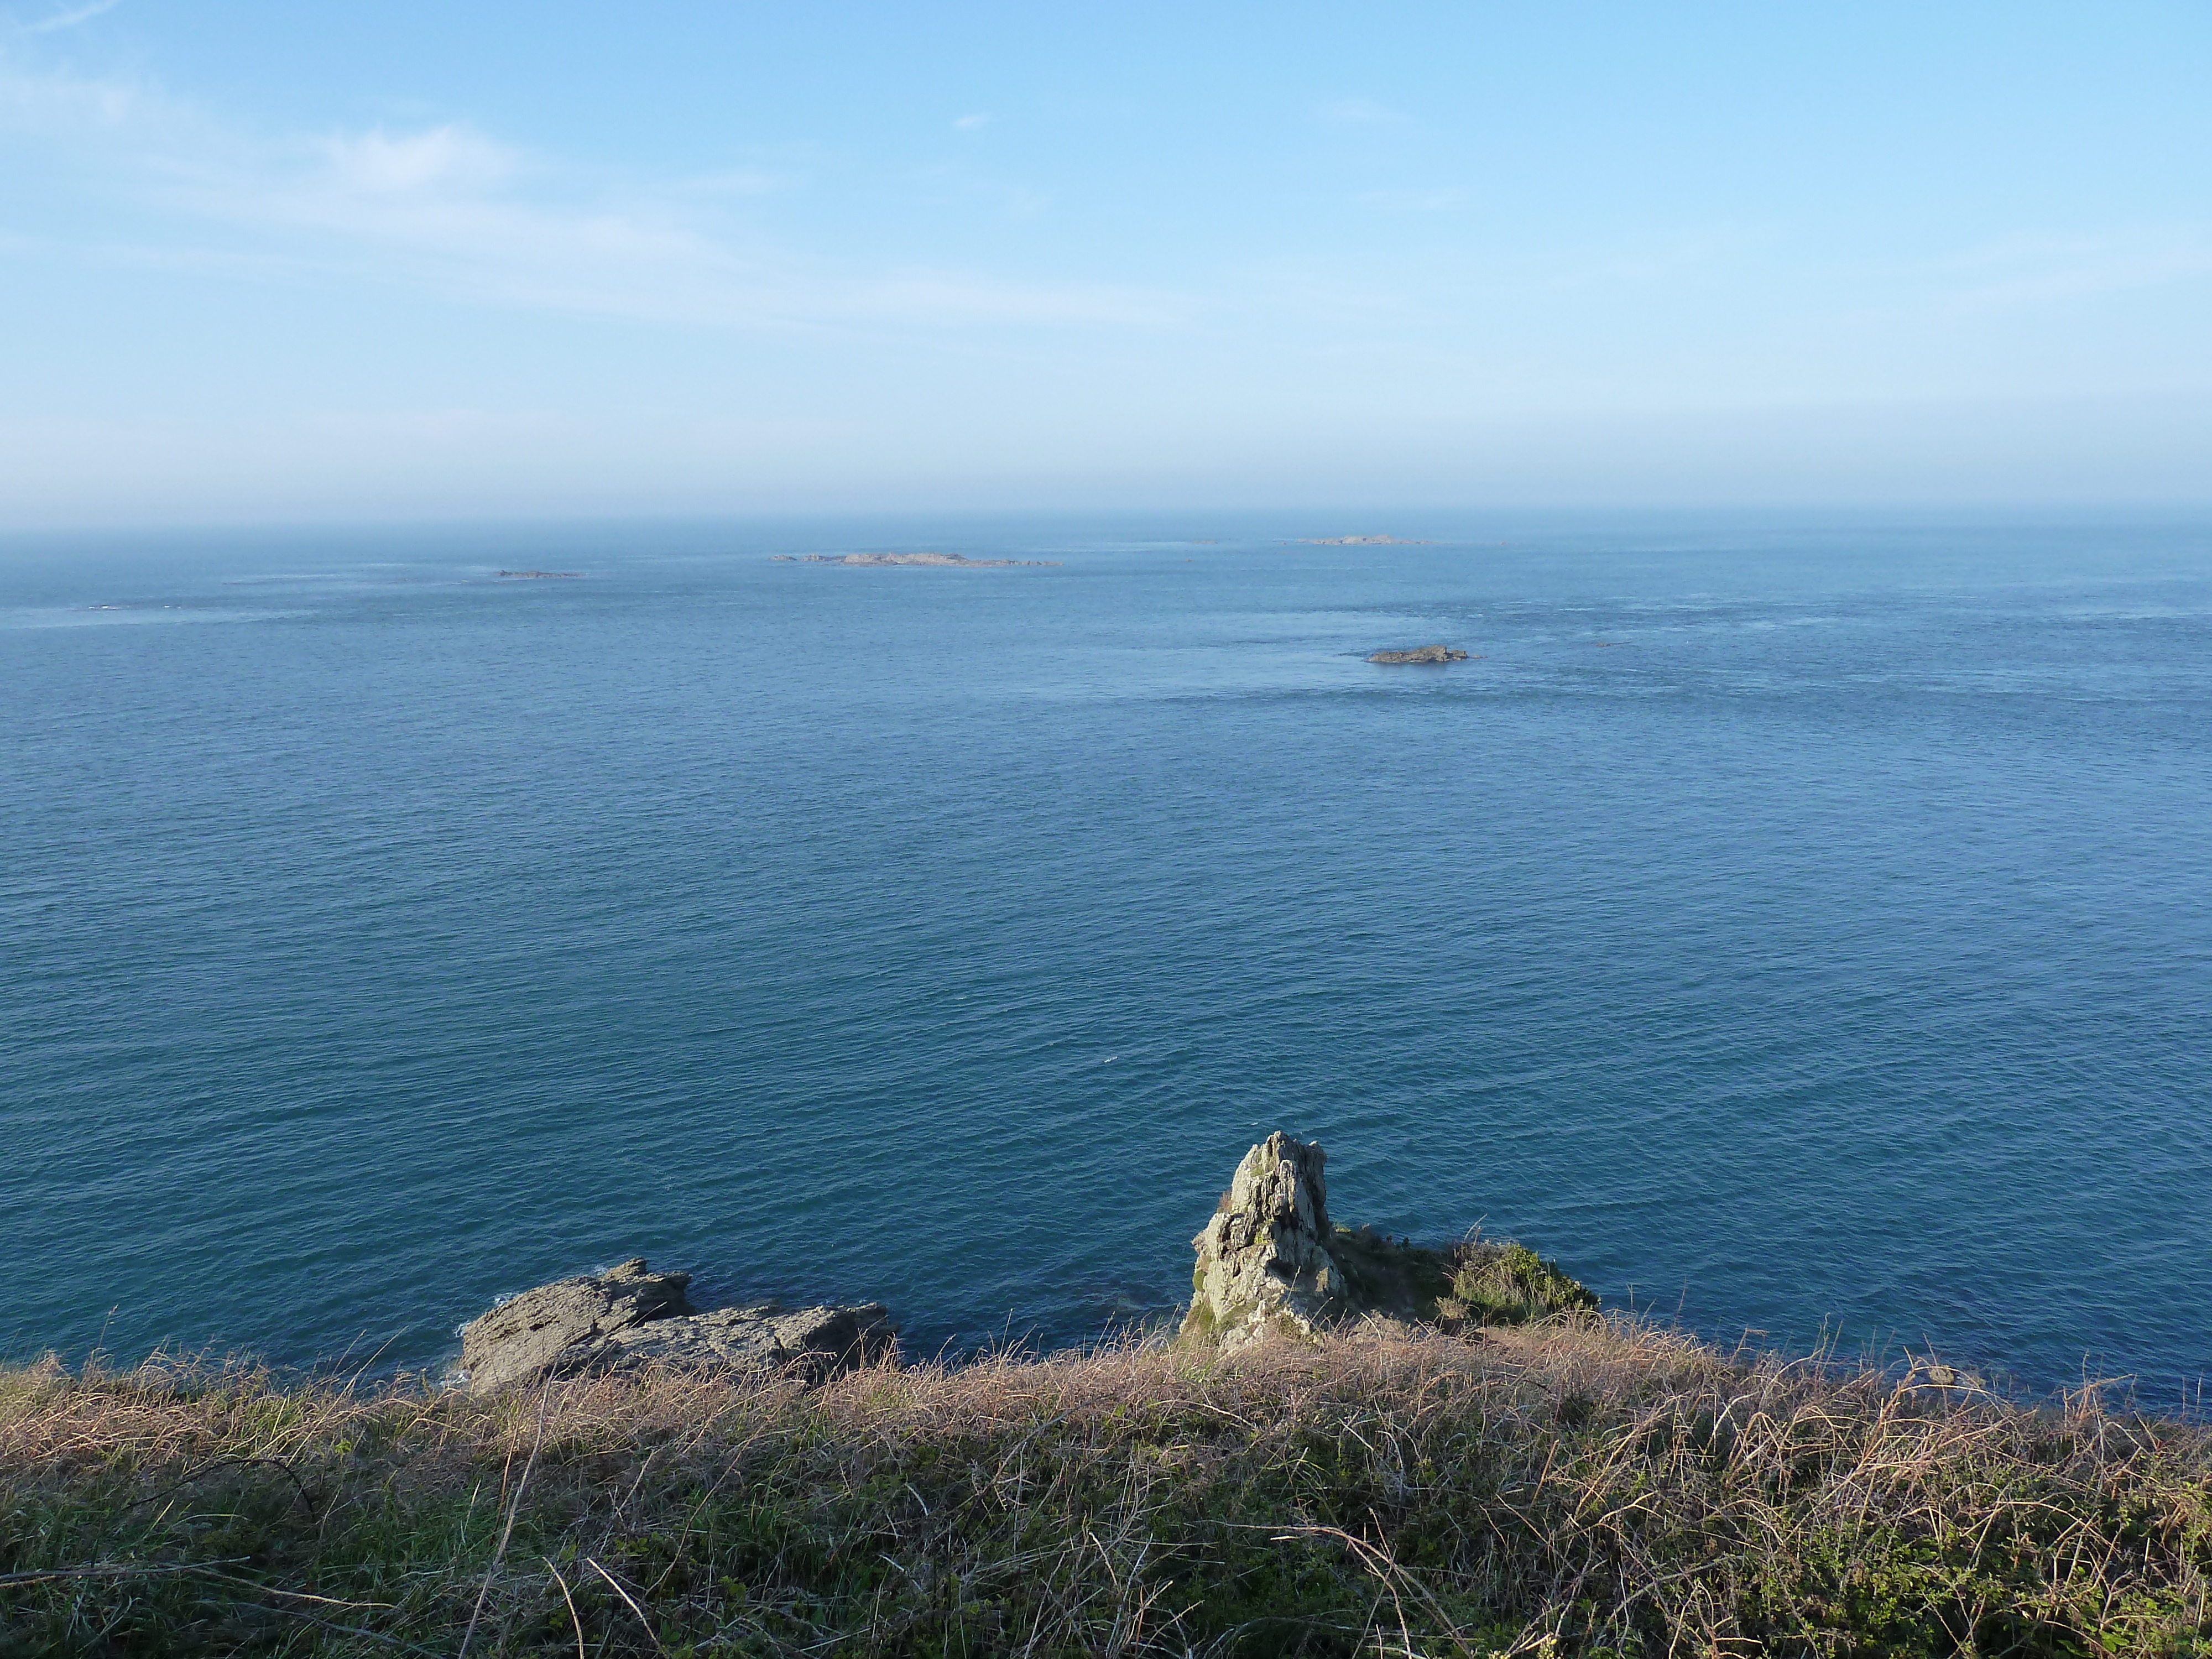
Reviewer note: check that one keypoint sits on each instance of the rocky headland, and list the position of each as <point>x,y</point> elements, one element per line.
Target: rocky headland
<point>1355,1444</point>
<point>1421,654</point>
<point>1270,1262</point>
<point>950,560</point>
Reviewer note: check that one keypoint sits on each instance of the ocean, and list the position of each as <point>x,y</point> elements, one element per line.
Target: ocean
<point>1801,928</point>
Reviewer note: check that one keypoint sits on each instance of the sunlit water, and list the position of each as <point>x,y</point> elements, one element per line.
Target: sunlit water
<point>1782,925</point>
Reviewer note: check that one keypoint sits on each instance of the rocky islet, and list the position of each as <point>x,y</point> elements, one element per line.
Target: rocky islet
<point>1359,541</point>
<point>941,561</point>
<point>1421,654</point>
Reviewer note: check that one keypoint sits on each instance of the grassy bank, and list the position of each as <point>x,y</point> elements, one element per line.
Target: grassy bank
<point>1577,1487</point>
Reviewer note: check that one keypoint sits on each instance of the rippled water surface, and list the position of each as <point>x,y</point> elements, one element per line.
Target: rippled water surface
<point>1782,925</point>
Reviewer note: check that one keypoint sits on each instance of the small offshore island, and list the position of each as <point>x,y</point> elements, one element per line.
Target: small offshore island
<point>1353,1444</point>
<point>543,575</point>
<point>952,560</point>
<point>1358,541</point>
<point>1422,653</point>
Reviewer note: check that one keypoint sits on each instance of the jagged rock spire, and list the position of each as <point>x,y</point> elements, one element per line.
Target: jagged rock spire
<point>1264,1260</point>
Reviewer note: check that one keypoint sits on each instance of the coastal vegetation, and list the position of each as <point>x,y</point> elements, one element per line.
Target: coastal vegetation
<point>1354,1445</point>
<point>1582,1484</point>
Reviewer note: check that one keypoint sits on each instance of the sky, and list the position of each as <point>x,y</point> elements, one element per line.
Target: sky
<point>264,262</point>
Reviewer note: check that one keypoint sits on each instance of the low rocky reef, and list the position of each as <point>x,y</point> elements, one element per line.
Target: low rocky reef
<point>543,575</point>
<point>1421,654</point>
<point>953,560</point>
<point>1270,1262</point>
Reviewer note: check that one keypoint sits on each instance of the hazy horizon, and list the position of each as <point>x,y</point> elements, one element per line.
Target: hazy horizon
<point>1445,524</point>
<point>408,265</point>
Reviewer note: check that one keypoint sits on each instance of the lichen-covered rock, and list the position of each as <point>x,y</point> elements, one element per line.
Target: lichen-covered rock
<point>629,1316</point>
<point>1264,1259</point>
<point>521,1339</point>
<point>1270,1259</point>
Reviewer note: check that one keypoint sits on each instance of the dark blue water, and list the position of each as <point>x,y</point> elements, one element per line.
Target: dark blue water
<point>1779,924</point>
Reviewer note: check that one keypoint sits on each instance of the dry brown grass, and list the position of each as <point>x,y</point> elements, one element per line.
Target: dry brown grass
<point>1583,1486</point>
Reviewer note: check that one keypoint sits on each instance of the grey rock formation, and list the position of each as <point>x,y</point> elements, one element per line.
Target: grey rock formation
<point>1264,1260</point>
<point>1270,1259</point>
<point>521,1339</point>
<point>813,1343</point>
<point>629,1316</point>
<point>1422,653</point>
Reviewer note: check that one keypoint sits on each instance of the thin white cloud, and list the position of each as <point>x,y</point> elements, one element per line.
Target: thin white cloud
<point>435,211</point>
<point>739,181</point>
<point>1445,200</point>
<point>450,209</point>
<point>57,104</point>
<point>1360,112</point>
<point>449,159</point>
<point>971,123</point>
<point>2029,269</point>
<point>71,18</point>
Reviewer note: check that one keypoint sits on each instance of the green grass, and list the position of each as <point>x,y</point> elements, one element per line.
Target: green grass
<point>1510,1285</point>
<point>1478,1281</point>
<point>1573,1485</point>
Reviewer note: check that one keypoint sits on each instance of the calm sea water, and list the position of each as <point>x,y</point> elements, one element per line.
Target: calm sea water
<point>1784,925</point>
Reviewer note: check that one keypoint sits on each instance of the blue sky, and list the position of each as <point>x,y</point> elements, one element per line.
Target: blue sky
<point>407,260</point>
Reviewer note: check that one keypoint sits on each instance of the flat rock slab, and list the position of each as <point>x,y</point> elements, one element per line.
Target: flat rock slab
<point>521,1340</point>
<point>629,1317</point>
<point>815,1343</point>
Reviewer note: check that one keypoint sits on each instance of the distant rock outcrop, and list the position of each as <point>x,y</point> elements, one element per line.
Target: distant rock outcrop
<point>543,575</point>
<point>1421,654</point>
<point>952,560</point>
<point>1359,541</point>
<point>1270,1259</point>
<point>629,1316</point>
